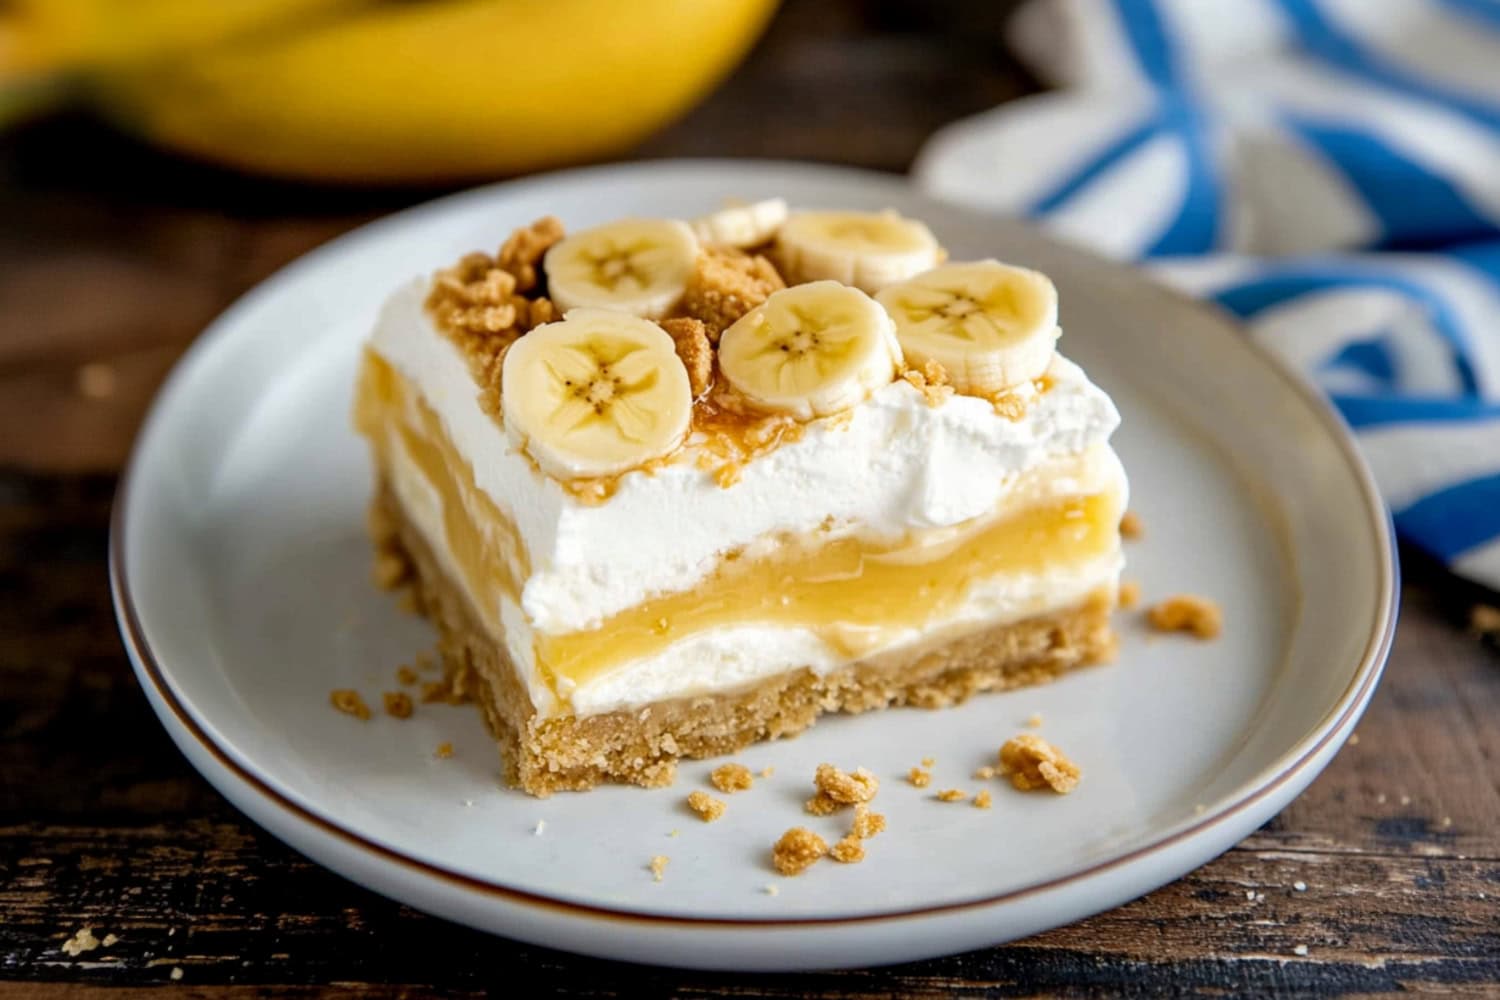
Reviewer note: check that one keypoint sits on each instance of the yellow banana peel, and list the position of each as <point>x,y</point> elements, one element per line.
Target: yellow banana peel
<point>437,91</point>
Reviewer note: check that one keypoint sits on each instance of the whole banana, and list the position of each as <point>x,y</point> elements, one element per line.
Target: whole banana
<point>442,90</point>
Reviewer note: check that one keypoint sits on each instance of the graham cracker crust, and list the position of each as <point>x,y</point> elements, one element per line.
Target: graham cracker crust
<point>642,746</point>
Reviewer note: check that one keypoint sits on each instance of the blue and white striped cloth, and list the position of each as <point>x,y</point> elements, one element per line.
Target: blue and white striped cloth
<point>1329,170</point>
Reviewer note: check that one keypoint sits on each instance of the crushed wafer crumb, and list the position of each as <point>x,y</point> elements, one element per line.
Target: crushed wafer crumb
<point>1187,613</point>
<point>110,940</point>
<point>837,789</point>
<point>690,337</point>
<point>425,662</point>
<point>867,823</point>
<point>850,850</point>
<point>406,676</point>
<point>952,795</point>
<point>770,889</point>
<point>982,799</point>
<point>919,777</point>
<point>767,771</point>
<point>1130,594</point>
<point>1354,739</point>
<point>725,286</point>
<point>729,778</point>
<point>444,751</point>
<point>176,974</point>
<point>1034,720</point>
<point>1033,763</point>
<point>348,701</point>
<point>1131,525</point>
<point>397,704</point>
<point>80,942</point>
<point>928,761</point>
<point>659,866</point>
<point>931,381</point>
<point>984,773</point>
<point>706,806</point>
<point>521,254</point>
<point>797,850</point>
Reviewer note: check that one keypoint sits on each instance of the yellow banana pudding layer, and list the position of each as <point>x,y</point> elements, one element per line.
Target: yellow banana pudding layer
<point>670,487</point>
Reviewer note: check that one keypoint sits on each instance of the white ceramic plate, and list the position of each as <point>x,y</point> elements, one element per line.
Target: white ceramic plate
<point>241,574</point>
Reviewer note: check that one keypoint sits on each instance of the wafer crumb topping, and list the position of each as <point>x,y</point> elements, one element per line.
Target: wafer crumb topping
<point>732,778</point>
<point>725,286</point>
<point>1130,594</point>
<point>1131,525</point>
<point>706,806</point>
<point>982,799</point>
<point>348,701</point>
<point>1032,763</point>
<point>797,850</point>
<point>931,381</point>
<point>1199,616</point>
<point>397,704</point>
<point>406,676</point>
<point>952,795</point>
<point>691,339</point>
<point>444,751</point>
<point>919,777</point>
<point>522,252</point>
<point>659,866</point>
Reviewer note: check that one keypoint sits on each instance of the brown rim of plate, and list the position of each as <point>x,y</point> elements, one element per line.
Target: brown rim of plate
<point>1349,704</point>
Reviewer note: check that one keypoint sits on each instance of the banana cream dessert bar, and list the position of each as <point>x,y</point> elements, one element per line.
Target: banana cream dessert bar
<point>667,488</point>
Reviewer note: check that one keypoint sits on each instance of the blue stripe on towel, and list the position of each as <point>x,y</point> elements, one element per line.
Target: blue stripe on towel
<point>1371,357</point>
<point>1374,411</point>
<point>1095,167</point>
<point>1452,521</point>
<point>1410,202</point>
<point>1254,295</point>
<point>1148,37</point>
<point>1321,39</point>
<point>1196,227</point>
<point>1486,12</point>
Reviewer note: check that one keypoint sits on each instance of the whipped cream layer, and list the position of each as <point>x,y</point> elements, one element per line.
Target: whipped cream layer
<point>893,465</point>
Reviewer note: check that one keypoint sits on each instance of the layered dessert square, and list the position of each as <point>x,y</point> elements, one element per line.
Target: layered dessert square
<point>669,488</point>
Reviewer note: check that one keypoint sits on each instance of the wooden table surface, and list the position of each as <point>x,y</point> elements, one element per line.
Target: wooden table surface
<point>112,258</point>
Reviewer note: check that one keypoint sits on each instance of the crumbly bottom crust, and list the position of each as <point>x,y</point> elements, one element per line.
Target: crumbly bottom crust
<point>641,746</point>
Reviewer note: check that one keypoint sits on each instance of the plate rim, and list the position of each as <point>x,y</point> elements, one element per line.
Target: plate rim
<point>1305,753</point>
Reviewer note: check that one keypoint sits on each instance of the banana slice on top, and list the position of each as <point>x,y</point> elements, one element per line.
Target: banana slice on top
<point>638,266</point>
<point>740,226</point>
<point>811,350</point>
<point>596,393</point>
<point>992,326</point>
<point>868,250</point>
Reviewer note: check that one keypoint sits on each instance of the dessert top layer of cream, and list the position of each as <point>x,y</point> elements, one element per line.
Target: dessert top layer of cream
<point>890,465</point>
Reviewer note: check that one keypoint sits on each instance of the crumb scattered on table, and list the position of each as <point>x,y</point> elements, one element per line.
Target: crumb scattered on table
<point>982,799</point>
<point>659,866</point>
<point>1354,739</point>
<point>867,823</point>
<point>1033,763</point>
<point>1299,885</point>
<point>919,777</point>
<point>1034,720</point>
<point>176,973</point>
<point>406,676</point>
<point>1187,613</point>
<point>984,773</point>
<point>80,942</point>
<point>1484,620</point>
<point>771,889</point>
<point>729,778</point>
<point>706,806</point>
<point>797,850</point>
<point>850,850</point>
<point>540,828</point>
<point>928,761</point>
<point>767,771</point>
<point>110,940</point>
<point>348,701</point>
<point>1130,594</point>
<point>837,789</point>
<point>1131,525</point>
<point>952,795</point>
<point>397,704</point>
<point>444,750</point>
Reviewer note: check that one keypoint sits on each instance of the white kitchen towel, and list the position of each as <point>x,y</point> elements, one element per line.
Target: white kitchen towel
<point>1328,170</point>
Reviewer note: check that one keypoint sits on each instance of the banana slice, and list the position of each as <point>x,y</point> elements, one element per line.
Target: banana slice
<point>638,266</point>
<point>992,326</point>
<point>741,226</point>
<point>811,350</point>
<point>596,393</point>
<point>868,250</point>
